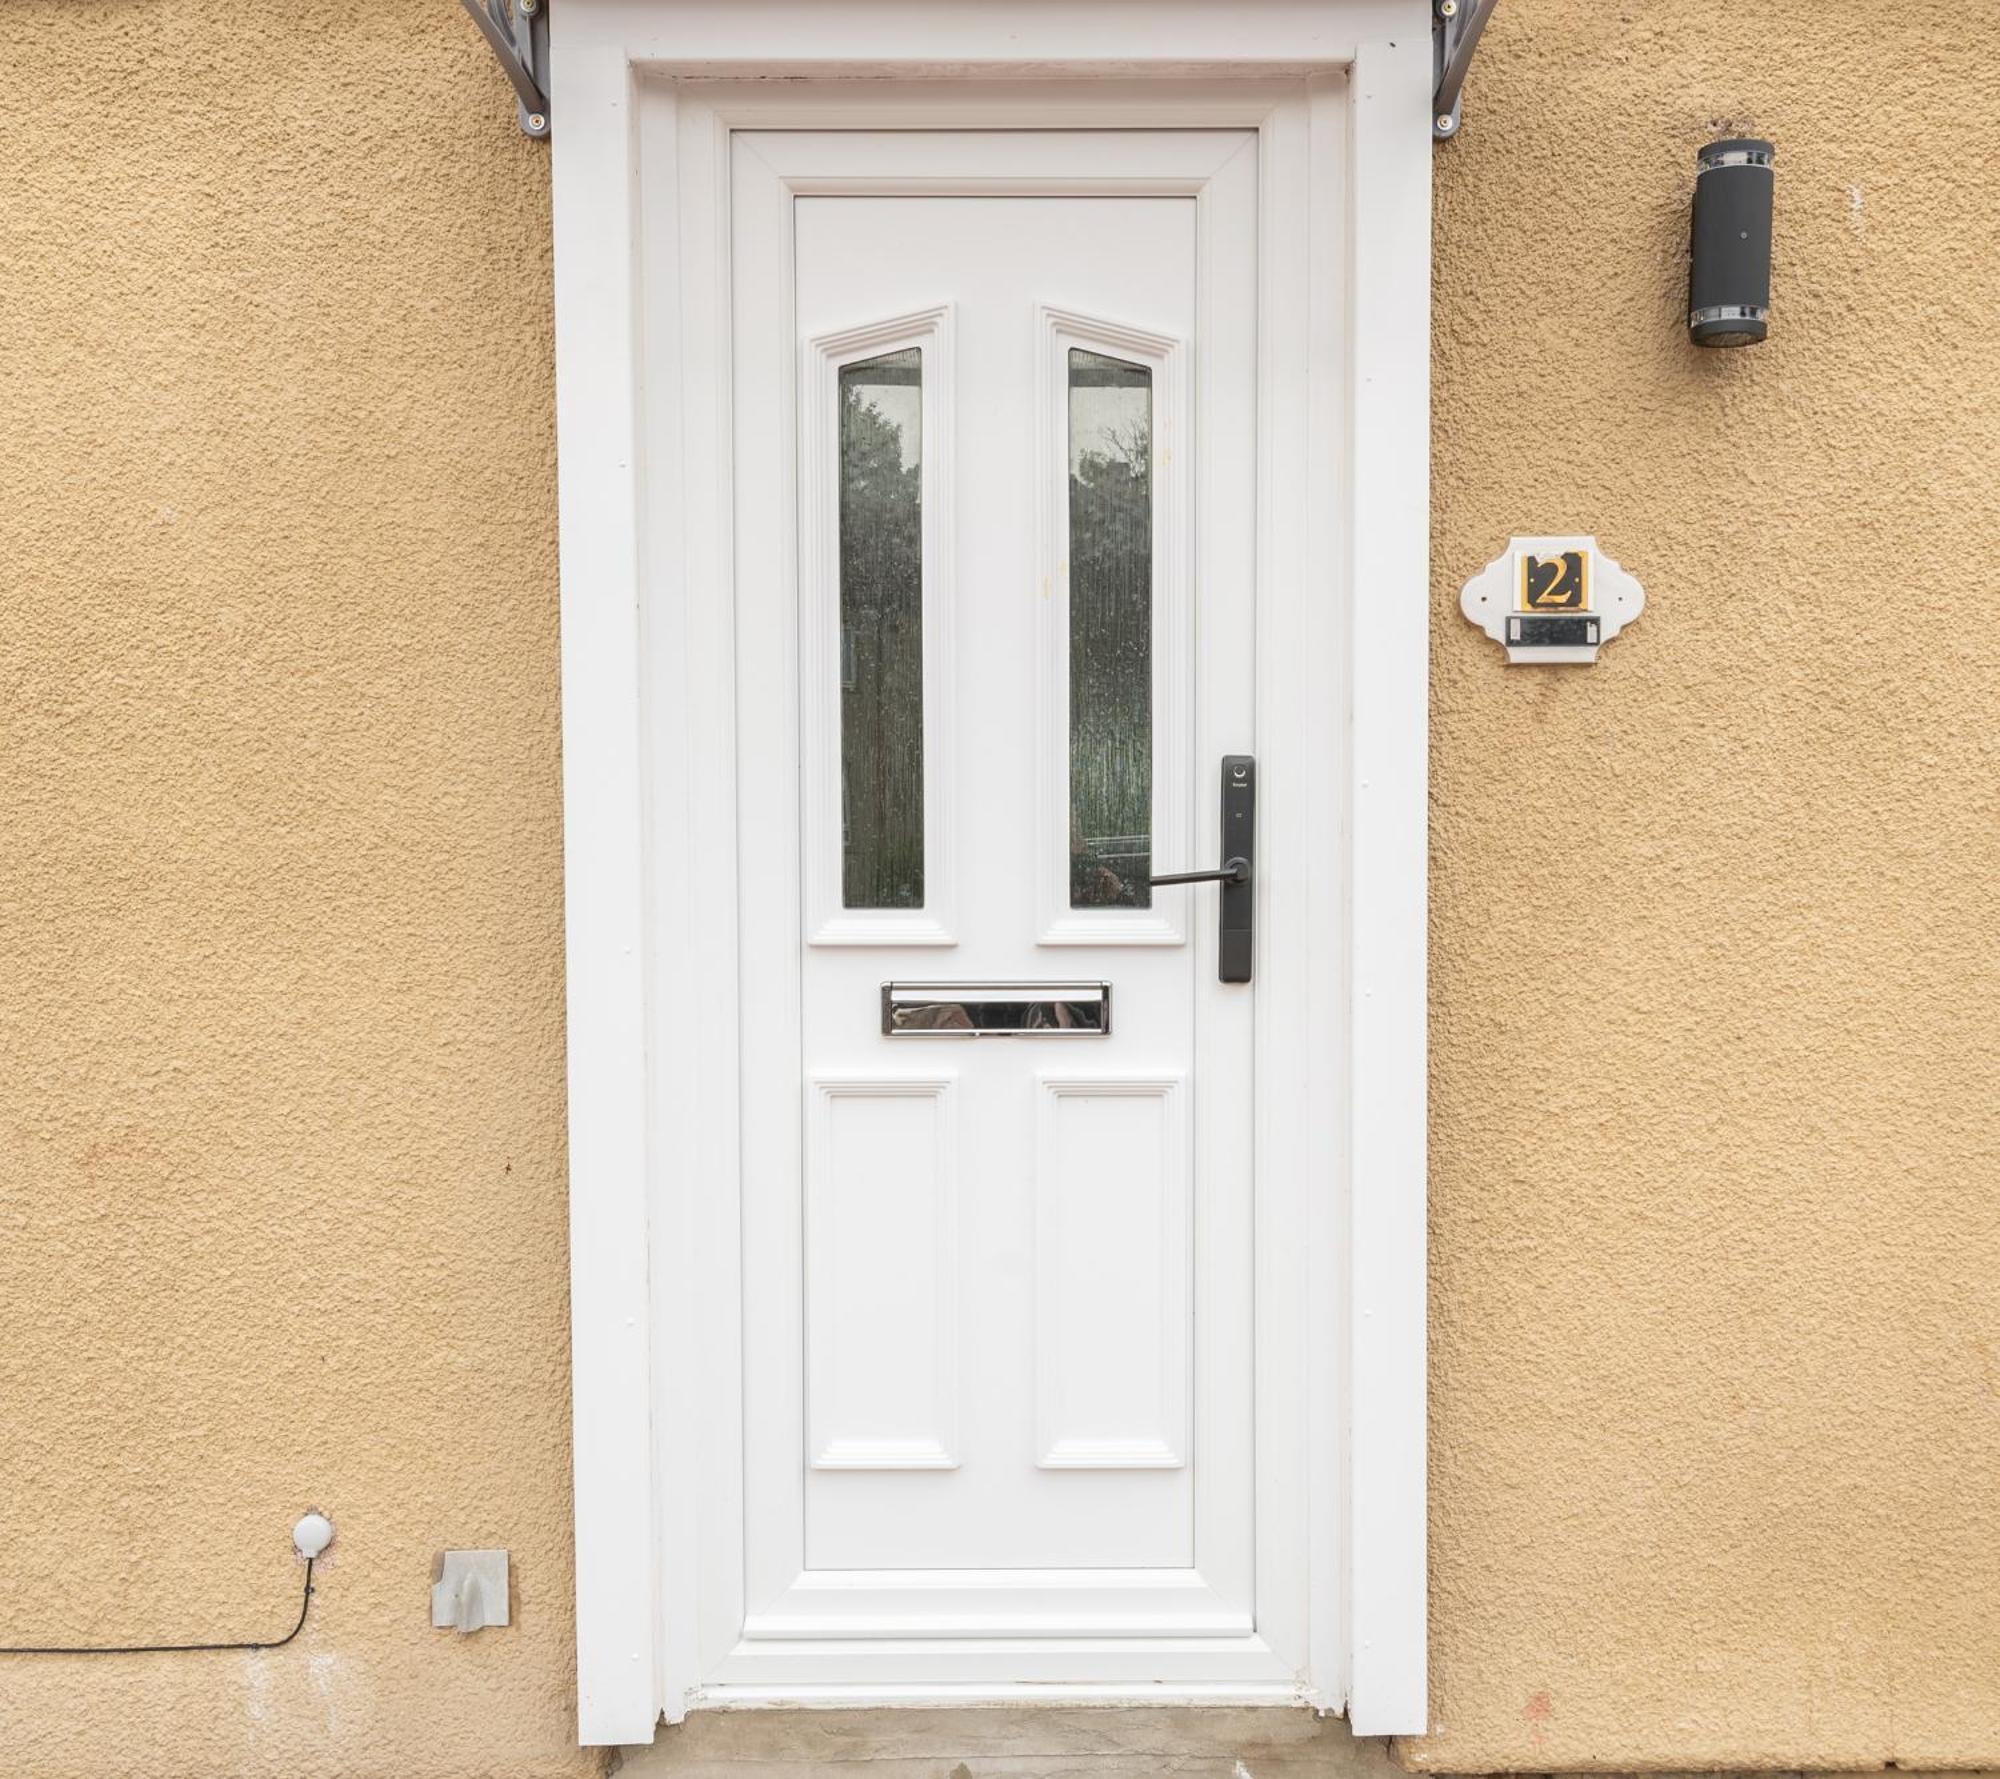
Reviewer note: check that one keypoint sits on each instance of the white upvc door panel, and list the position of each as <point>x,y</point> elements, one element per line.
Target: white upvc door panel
<point>995,449</point>
<point>712,1390</point>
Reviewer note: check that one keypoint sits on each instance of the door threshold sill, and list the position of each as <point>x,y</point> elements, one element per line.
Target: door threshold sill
<point>868,1695</point>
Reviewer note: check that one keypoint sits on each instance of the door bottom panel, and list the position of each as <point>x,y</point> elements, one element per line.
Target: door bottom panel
<point>989,1669</point>
<point>1011,1603</point>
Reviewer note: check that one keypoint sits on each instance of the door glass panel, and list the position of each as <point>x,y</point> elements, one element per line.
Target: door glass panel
<point>1110,631</point>
<point>882,632</point>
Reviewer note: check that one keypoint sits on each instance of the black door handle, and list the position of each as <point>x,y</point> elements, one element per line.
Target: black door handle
<point>1236,917</point>
<point>1229,871</point>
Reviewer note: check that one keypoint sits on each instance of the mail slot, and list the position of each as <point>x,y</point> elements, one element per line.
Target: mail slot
<point>996,1009</point>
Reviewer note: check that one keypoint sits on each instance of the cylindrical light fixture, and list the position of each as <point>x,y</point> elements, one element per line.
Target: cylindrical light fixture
<point>1729,261</point>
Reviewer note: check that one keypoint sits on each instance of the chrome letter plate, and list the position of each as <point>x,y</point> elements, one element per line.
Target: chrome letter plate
<point>996,1009</point>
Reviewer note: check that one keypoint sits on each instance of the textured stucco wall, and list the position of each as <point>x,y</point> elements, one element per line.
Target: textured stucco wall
<point>282,1200</point>
<point>1716,1088</point>
<point>1716,942</point>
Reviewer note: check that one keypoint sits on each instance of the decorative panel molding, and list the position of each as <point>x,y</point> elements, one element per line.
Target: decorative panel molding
<point>1112,1213</point>
<point>823,658</point>
<point>881,1266</point>
<point>1060,332</point>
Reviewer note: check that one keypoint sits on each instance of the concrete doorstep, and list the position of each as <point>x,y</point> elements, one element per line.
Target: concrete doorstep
<point>1009,1742</point>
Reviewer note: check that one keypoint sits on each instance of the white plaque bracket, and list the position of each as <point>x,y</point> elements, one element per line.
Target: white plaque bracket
<point>1554,600</point>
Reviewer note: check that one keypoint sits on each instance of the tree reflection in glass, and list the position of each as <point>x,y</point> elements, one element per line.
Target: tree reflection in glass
<point>1110,632</point>
<point>882,632</point>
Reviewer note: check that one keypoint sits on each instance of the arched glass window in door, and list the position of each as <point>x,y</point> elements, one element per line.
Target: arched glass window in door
<point>882,631</point>
<point>1110,631</point>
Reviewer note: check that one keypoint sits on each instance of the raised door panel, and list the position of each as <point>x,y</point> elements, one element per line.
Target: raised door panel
<point>1111,1274</point>
<point>882,1274</point>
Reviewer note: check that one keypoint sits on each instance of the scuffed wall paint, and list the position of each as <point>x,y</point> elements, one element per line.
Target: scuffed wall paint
<point>1716,933</point>
<point>282,1196</point>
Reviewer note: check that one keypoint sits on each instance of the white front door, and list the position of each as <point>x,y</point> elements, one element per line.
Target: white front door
<point>995,469</point>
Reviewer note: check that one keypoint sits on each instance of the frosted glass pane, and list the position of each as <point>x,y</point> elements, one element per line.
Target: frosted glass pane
<point>1110,632</point>
<point>882,632</point>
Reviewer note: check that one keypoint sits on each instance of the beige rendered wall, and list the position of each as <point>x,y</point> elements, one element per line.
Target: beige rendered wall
<point>282,1196</point>
<point>1716,933</point>
<point>1717,1107</point>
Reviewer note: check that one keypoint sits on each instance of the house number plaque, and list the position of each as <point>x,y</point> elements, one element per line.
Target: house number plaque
<point>1552,599</point>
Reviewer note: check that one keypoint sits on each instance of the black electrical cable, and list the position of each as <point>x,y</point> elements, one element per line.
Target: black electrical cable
<point>305,1606</point>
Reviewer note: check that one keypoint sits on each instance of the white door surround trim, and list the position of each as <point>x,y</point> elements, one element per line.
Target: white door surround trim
<point>1339,93</point>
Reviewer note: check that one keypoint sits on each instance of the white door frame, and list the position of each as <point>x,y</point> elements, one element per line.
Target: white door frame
<point>646,93</point>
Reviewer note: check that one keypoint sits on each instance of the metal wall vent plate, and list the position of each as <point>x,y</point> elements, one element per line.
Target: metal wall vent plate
<point>996,1009</point>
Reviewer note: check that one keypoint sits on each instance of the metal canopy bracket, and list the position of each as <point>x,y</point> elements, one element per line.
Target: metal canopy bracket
<point>1455,29</point>
<point>517,31</point>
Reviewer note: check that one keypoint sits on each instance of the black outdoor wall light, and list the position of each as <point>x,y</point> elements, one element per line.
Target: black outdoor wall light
<point>1729,260</point>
